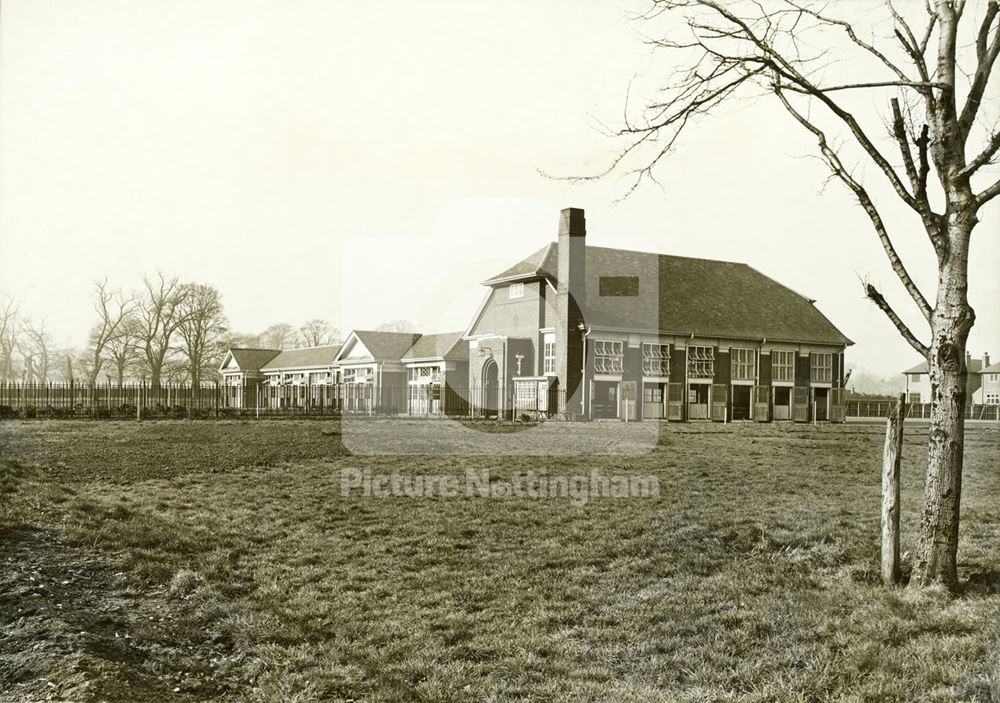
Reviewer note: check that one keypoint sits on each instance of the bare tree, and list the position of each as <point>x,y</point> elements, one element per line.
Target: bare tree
<point>316,333</point>
<point>933,78</point>
<point>396,326</point>
<point>159,313</point>
<point>113,310</point>
<point>279,336</point>
<point>36,343</point>
<point>8,337</point>
<point>202,330</point>
<point>124,350</point>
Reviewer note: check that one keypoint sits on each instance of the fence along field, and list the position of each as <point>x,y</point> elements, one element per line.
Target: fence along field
<point>210,400</point>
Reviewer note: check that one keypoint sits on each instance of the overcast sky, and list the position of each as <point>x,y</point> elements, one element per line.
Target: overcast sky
<point>362,163</point>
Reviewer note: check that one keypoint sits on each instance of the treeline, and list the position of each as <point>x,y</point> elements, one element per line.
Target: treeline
<point>168,331</point>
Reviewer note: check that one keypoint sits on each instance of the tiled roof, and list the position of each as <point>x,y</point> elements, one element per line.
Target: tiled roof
<point>540,263</point>
<point>310,357</point>
<point>443,345</point>
<point>703,297</point>
<point>386,345</point>
<point>253,359</point>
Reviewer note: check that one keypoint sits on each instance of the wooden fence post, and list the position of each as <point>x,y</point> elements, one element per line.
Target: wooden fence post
<point>891,457</point>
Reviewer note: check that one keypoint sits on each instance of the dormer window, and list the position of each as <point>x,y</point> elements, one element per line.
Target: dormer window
<point>515,290</point>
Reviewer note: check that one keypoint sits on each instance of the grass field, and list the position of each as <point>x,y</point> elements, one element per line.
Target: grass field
<point>193,561</point>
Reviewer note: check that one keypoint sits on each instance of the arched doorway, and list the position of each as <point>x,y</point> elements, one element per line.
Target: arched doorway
<point>491,387</point>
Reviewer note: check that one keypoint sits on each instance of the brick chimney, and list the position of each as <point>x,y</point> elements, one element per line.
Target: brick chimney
<point>571,300</point>
<point>986,359</point>
<point>968,359</point>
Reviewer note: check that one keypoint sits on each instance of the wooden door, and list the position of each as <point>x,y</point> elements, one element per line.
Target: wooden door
<point>762,403</point>
<point>675,401</point>
<point>837,409</point>
<point>800,404</point>
<point>719,398</point>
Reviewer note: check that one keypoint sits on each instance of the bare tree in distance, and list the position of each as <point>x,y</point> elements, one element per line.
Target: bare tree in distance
<point>114,309</point>
<point>36,343</point>
<point>160,312</point>
<point>317,333</point>
<point>8,337</point>
<point>396,326</point>
<point>279,336</point>
<point>202,330</point>
<point>242,341</point>
<point>124,350</point>
<point>932,73</point>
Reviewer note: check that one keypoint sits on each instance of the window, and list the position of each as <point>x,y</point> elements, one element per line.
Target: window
<point>701,362</point>
<point>425,374</point>
<point>821,367</point>
<point>618,286</point>
<point>652,393</point>
<point>993,398</point>
<point>549,354</point>
<point>525,395</point>
<point>356,375</point>
<point>742,361</point>
<point>914,397</point>
<point>782,365</point>
<point>607,357</point>
<point>655,359</point>
<point>515,290</point>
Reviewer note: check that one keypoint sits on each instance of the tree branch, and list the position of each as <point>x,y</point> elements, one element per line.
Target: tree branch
<point>984,157</point>
<point>872,293</point>
<point>986,53</point>
<point>835,164</point>
<point>988,194</point>
<point>781,65</point>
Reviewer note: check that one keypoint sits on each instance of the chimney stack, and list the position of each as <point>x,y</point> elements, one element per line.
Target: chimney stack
<point>571,300</point>
<point>968,358</point>
<point>986,359</point>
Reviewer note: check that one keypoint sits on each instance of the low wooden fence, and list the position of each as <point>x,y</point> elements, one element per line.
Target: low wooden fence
<point>883,408</point>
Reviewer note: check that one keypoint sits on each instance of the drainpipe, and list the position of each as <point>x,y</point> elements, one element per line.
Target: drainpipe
<point>585,331</point>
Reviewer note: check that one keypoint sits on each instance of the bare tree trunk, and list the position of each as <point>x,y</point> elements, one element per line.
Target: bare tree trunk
<point>950,324</point>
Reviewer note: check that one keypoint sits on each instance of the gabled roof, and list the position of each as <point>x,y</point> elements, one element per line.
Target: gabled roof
<point>437,346</point>
<point>541,263</point>
<point>975,366</point>
<point>382,346</point>
<point>992,368</point>
<point>250,359</point>
<point>684,295</point>
<point>309,357</point>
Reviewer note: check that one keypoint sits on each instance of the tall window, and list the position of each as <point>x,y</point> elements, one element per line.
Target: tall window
<point>549,354</point>
<point>742,361</point>
<point>782,365</point>
<point>608,357</point>
<point>701,362</point>
<point>821,367</point>
<point>655,359</point>
<point>515,290</point>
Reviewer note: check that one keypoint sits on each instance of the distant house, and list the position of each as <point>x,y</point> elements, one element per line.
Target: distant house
<point>371,374</point>
<point>991,382</point>
<point>583,331</point>
<point>437,367</point>
<point>918,381</point>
